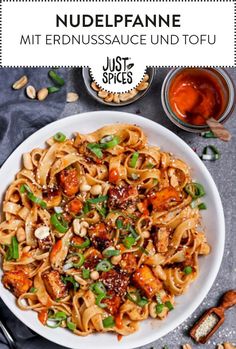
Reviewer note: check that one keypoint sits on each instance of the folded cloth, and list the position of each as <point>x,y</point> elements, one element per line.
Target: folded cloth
<point>19,118</point>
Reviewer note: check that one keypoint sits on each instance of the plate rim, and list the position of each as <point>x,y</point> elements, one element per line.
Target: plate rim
<point>209,283</point>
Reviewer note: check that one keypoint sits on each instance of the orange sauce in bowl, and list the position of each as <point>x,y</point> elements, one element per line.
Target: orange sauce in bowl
<point>195,95</point>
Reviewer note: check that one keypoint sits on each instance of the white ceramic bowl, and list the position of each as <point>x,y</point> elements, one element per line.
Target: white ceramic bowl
<point>213,220</point>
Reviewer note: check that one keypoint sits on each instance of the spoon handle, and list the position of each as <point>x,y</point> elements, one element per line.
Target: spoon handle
<point>228,300</point>
<point>219,130</point>
<point>7,335</point>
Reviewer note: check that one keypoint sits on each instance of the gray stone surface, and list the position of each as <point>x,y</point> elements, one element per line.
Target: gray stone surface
<point>224,174</point>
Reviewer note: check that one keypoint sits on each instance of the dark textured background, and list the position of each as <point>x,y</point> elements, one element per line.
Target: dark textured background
<point>20,117</point>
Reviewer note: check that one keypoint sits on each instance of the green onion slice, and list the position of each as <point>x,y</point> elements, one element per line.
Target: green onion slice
<point>159,308</point>
<point>86,208</point>
<point>111,144</point>
<point>81,260</point>
<point>53,89</point>
<point>70,279</point>
<point>137,299</point>
<point>99,299</point>
<point>60,315</point>
<point>196,190</point>
<point>15,248</point>
<point>85,273</point>
<point>71,325</point>
<point>129,241</point>
<point>134,159</point>
<point>56,323</point>
<point>58,222</point>
<point>56,78</point>
<point>109,253</point>
<point>95,149</point>
<point>98,288</point>
<point>211,153</point>
<point>97,200</point>
<point>85,244</point>
<point>188,270</point>
<point>208,134</point>
<point>102,211</point>
<point>32,290</point>
<point>25,188</point>
<point>104,266</point>
<point>59,137</point>
<point>149,165</point>
<point>202,206</point>
<point>119,223</point>
<point>169,305</point>
<point>108,322</point>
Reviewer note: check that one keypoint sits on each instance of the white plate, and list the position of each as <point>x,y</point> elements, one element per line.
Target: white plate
<point>213,219</point>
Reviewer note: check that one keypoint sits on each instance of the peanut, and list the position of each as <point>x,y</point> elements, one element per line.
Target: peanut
<point>142,86</point>
<point>20,235</point>
<point>72,97</point>
<point>109,98</point>
<point>42,94</point>
<point>30,92</point>
<point>146,77</point>
<point>94,86</point>
<point>116,98</point>
<point>20,83</point>
<point>124,97</point>
<point>102,94</point>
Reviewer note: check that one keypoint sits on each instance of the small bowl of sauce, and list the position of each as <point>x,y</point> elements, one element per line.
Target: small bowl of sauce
<point>190,96</point>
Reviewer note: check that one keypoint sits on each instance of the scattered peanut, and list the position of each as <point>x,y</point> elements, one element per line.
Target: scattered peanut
<point>116,259</point>
<point>228,345</point>
<point>20,83</point>
<point>187,346</point>
<point>20,234</point>
<point>122,97</point>
<point>94,275</point>
<point>96,189</point>
<point>42,94</point>
<point>84,187</point>
<point>146,234</point>
<point>72,97</point>
<point>152,309</point>
<point>30,92</point>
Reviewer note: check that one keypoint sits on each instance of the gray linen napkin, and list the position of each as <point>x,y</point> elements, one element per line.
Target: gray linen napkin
<point>19,118</point>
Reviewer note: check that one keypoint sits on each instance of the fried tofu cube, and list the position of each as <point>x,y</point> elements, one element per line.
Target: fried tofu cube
<point>17,282</point>
<point>54,285</point>
<point>146,281</point>
<point>113,303</point>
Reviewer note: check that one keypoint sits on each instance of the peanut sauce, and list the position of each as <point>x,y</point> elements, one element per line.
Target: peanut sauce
<point>195,95</point>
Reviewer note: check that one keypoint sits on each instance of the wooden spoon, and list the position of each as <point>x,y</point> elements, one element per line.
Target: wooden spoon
<point>228,300</point>
<point>219,130</point>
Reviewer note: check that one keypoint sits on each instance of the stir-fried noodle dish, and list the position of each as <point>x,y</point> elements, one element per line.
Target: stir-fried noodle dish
<point>101,231</point>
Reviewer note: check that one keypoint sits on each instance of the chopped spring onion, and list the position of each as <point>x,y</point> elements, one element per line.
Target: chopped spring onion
<point>159,308</point>
<point>56,78</point>
<point>101,198</point>
<point>67,266</point>
<point>137,299</point>
<point>133,232</point>
<point>60,315</point>
<point>81,260</point>
<point>70,279</point>
<point>86,208</point>
<point>134,159</point>
<point>208,134</point>
<point>108,322</point>
<point>143,250</point>
<point>188,270</point>
<point>169,305</point>
<point>85,244</point>
<point>98,288</point>
<point>109,252</point>
<point>85,273</point>
<point>129,241</point>
<point>155,181</point>
<point>95,149</point>
<point>202,206</point>
<point>119,223</point>
<point>134,176</point>
<point>111,144</point>
<point>13,249</point>
<point>33,290</point>
<point>196,190</point>
<point>102,211</point>
<point>53,89</point>
<point>104,266</point>
<point>99,299</point>
<point>71,325</point>
<point>150,165</point>
<point>59,137</point>
<point>24,188</point>
<point>58,222</point>
<point>211,153</point>
<point>52,323</point>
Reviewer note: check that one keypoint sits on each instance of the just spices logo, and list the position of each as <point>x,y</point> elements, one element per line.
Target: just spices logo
<point>118,70</point>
